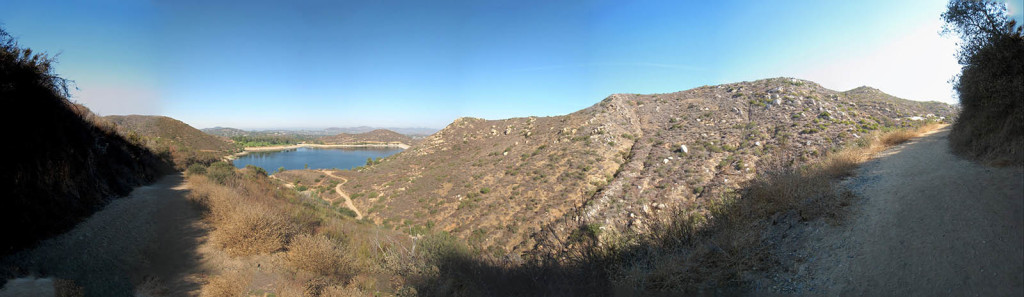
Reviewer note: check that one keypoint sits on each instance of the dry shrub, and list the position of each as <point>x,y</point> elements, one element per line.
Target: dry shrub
<point>292,288</point>
<point>842,163</point>
<point>230,284</point>
<point>253,229</point>
<point>778,190</point>
<point>339,291</point>
<point>897,137</point>
<point>317,254</point>
<point>245,223</point>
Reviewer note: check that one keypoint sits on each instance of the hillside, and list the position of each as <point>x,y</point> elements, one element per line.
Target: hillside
<point>525,184</point>
<point>379,136</point>
<point>63,163</point>
<point>170,137</point>
<point>227,132</point>
<point>411,132</point>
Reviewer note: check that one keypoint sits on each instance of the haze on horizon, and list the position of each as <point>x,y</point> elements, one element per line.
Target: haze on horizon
<point>309,64</point>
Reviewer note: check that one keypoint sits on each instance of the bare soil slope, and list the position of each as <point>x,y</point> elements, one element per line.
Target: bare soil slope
<point>930,224</point>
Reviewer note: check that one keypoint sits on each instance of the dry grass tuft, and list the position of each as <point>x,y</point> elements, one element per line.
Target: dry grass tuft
<point>842,164</point>
<point>339,291</point>
<point>252,230</point>
<point>898,137</point>
<point>317,254</point>
<point>229,284</point>
<point>245,224</point>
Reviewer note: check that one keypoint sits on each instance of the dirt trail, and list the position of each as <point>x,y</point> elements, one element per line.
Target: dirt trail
<point>929,224</point>
<point>146,241</point>
<point>348,201</point>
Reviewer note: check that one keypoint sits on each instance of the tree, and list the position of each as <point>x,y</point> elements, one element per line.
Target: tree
<point>978,24</point>
<point>990,126</point>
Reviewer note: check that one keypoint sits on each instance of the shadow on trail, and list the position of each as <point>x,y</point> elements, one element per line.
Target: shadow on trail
<point>146,242</point>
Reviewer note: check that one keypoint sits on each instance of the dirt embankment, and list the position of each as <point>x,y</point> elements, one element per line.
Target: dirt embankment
<point>929,224</point>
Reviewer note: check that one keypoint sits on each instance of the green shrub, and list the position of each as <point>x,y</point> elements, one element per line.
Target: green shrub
<point>195,169</point>
<point>221,172</point>
<point>345,211</point>
<point>255,171</point>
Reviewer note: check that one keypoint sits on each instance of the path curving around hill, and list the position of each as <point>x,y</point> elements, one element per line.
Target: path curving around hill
<point>348,201</point>
<point>929,224</point>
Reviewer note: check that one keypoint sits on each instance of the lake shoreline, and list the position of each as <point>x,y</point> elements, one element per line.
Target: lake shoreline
<point>251,149</point>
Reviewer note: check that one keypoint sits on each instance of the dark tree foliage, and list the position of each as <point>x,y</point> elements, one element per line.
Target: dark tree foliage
<point>59,166</point>
<point>991,83</point>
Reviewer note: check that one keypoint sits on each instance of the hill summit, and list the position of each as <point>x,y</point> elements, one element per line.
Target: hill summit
<point>379,136</point>
<point>176,141</point>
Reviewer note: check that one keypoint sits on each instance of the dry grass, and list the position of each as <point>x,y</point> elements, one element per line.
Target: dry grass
<point>710,247</point>
<point>898,137</point>
<point>339,291</point>
<point>713,247</point>
<point>318,247</point>
<point>317,254</point>
<point>245,224</point>
<point>810,189</point>
<point>229,284</point>
<point>253,229</point>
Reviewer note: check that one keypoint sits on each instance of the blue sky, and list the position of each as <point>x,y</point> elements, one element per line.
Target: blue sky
<point>316,64</point>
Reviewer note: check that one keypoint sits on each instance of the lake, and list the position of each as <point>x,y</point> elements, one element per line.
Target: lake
<point>316,158</point>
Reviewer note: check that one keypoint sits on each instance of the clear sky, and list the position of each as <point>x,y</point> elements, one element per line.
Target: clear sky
<point>317,64</point>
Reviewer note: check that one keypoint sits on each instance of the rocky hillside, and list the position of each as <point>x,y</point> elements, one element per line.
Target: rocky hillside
<point>379,136</point>
<point>62,163</point>
<point>182,143</point>
<point>510,185</point>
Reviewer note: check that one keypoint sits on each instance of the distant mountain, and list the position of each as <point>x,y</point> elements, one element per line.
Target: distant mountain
<point>381,136</point>
<point>364,129</point>
<point>227,132</point>
<point>522,184</point>
<point>232,132</point>
<point>182,143</point>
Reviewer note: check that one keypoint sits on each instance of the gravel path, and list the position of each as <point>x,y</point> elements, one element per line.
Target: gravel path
<point>145,241</point>
<point>930,224</point>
